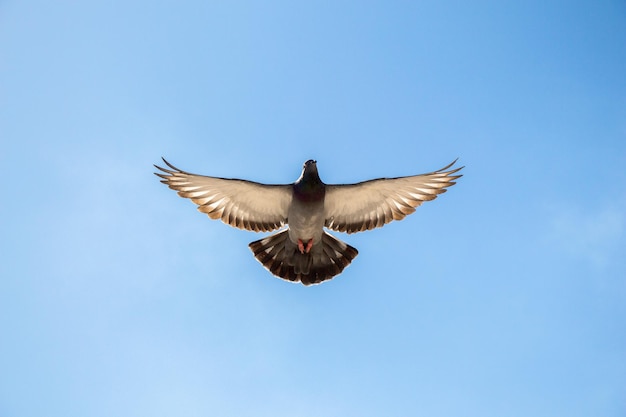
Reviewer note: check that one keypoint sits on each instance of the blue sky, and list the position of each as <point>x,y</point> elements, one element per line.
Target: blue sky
<point>503,297</point>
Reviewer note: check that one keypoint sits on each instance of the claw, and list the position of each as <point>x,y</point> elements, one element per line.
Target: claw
<point>300,246</point>
<point>305,249</point>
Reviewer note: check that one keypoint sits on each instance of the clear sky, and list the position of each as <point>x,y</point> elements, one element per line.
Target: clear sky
<point>506,296</point>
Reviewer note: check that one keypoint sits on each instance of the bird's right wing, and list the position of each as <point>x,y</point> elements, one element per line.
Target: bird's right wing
<point>366,205</point>
<point>238,203</point>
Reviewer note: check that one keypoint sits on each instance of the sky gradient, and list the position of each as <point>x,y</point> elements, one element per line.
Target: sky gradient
<point>503,297</point>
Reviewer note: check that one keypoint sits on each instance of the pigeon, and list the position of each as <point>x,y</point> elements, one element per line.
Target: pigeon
<point>303,251</point>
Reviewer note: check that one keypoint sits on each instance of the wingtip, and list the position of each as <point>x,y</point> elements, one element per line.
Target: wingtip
<point>168,171</point>
<point>456,169</point>
<point>168,164</point>
<point>158,174</point>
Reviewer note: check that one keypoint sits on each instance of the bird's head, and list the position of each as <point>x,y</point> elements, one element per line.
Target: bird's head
<point>309,171</point>
<point>310,165</point>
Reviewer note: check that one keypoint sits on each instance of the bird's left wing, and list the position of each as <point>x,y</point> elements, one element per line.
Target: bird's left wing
<point>366,205</point>
<point>238,203</point>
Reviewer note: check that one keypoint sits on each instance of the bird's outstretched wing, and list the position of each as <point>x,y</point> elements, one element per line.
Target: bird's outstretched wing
<point>238,203</point>
<point>366,205</point>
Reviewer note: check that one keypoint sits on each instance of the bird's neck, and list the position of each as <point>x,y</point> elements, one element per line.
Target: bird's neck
<point>309,188</point>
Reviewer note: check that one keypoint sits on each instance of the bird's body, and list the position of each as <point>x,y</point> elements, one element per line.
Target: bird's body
<point>306,212</point>
<point>304,252</point>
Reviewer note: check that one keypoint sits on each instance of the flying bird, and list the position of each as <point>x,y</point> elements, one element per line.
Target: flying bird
<point>304,252</point>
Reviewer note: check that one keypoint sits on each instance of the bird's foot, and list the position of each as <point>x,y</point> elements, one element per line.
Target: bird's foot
<point>305,249</point>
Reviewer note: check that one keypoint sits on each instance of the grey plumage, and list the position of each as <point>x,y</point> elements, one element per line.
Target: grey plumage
<point>304,252</point>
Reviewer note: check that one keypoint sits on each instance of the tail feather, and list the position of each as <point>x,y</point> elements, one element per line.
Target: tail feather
<point>282,258</point>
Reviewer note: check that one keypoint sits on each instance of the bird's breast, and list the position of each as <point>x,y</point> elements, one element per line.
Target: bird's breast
<point>306,220</point>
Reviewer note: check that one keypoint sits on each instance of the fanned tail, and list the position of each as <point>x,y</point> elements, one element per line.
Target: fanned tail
<point>282,258</point>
